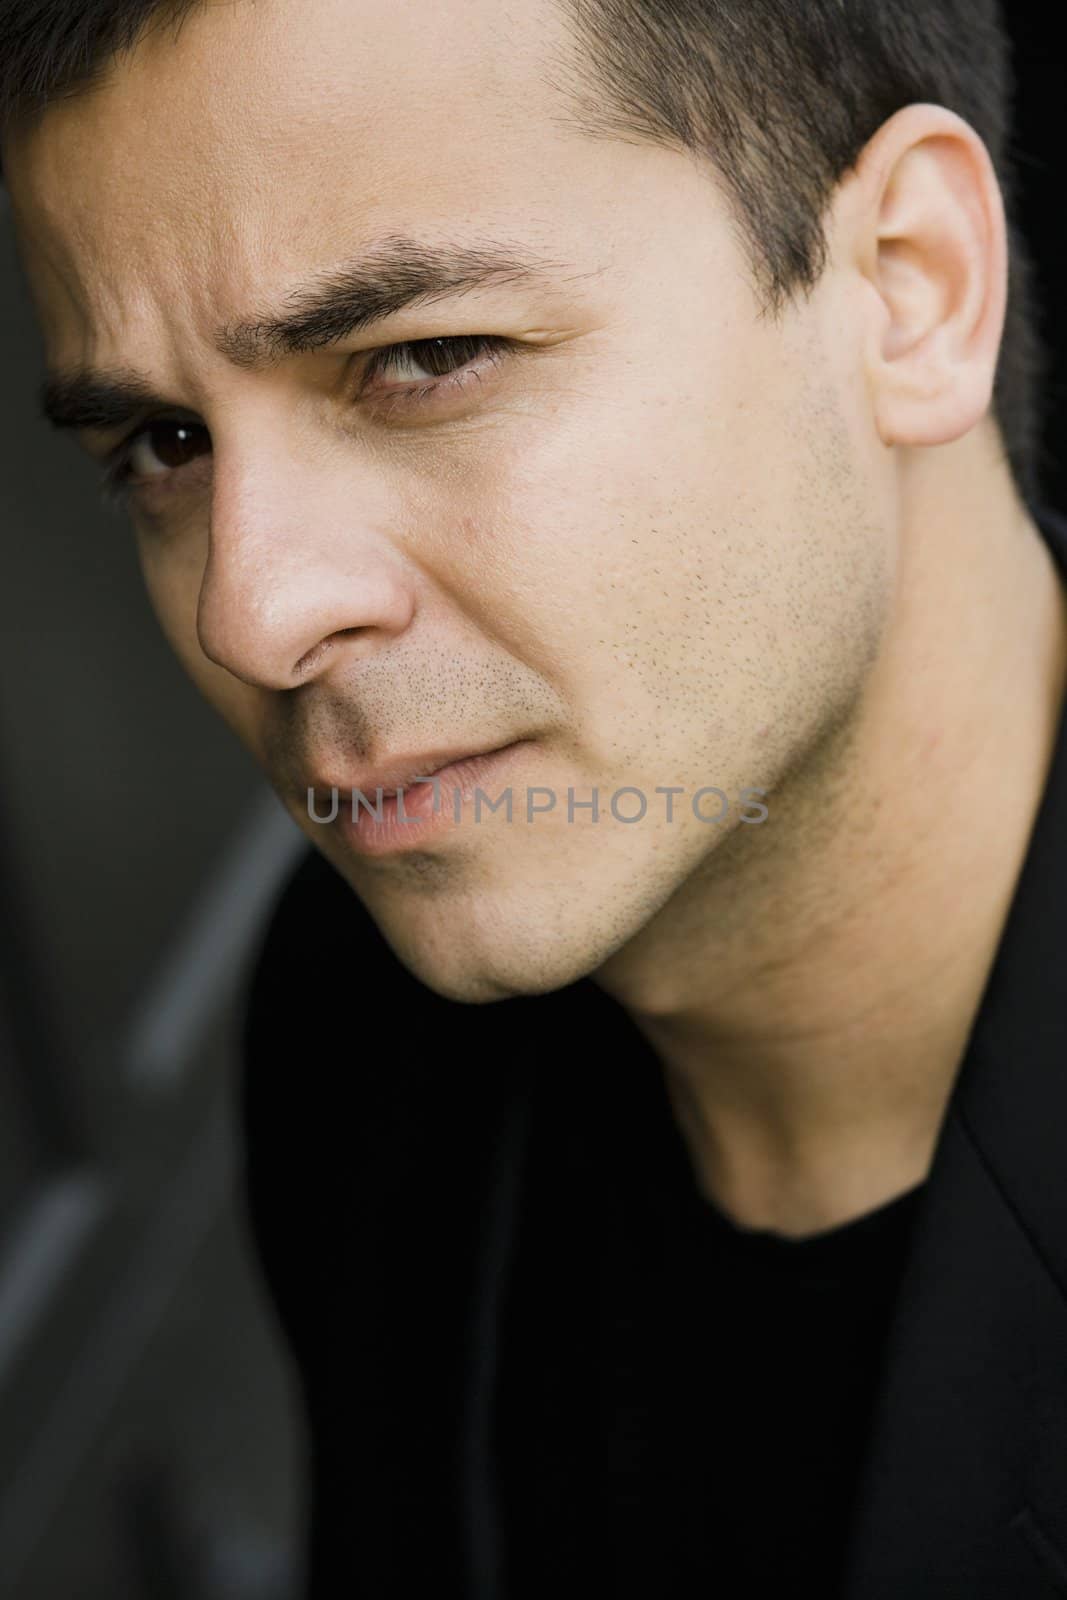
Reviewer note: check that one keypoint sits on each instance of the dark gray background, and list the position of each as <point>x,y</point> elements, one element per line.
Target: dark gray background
<point>149,1439</point>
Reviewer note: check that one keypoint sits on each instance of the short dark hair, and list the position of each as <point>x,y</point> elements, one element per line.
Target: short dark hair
<point>781,96</point>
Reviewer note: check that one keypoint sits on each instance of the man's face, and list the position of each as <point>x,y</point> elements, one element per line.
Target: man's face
<point>635,528</point>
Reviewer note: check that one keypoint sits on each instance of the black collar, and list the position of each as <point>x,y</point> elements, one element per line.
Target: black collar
<point>965,1486</point>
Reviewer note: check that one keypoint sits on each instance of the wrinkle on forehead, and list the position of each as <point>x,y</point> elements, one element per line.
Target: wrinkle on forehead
<point>213,164</point>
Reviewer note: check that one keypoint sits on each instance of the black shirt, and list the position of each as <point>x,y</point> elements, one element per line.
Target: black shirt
<point>727,1385</point>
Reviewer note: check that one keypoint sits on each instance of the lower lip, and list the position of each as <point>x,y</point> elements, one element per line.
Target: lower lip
<point>381,830</point>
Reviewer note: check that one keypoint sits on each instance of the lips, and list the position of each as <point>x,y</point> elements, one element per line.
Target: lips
<point>398,774</point>
<point>426,769</point>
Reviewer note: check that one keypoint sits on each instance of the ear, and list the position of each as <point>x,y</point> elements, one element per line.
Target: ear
<point>931,242</point>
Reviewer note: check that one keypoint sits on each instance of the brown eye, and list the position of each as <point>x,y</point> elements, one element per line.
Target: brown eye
<point>167,445</point>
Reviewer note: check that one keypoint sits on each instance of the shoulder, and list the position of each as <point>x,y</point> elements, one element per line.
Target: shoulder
<point>317,932</point>
<point>362,1097</point>
<point>335,1027</point>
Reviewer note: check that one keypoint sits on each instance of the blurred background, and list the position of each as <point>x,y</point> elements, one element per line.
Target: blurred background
<point>151,1445</point>
<point>149,1442</point>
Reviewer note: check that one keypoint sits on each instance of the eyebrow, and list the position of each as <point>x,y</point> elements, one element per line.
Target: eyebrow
<point>397,273</point>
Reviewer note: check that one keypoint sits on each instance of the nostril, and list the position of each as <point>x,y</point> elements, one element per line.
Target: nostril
<point>314,656</point>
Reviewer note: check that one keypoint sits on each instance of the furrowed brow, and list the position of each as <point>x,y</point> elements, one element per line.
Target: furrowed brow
<point>103,400</point>
<point>400,273</point>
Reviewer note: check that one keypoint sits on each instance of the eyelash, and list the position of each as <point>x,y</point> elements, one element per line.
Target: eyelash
<point>115,486</point>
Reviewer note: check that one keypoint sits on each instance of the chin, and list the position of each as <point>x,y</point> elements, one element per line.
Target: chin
<point>485,955</point>
<point>477,942</point>
<point>473,975</point>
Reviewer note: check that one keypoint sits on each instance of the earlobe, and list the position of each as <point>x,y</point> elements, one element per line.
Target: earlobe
<point>936,256</point>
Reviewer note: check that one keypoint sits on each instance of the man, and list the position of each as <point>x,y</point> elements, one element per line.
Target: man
<point>656,1160</point>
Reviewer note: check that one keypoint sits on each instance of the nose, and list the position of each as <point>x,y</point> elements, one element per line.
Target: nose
<point>299,569</point>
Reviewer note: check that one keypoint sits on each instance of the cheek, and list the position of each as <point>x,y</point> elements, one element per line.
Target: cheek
<point>172,577</point>
<point>674,550</point>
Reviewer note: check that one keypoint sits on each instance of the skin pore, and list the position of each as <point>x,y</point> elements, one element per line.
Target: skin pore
<point>665,540</point>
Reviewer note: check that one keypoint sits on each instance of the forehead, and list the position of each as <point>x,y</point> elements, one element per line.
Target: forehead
<point>241,149</point>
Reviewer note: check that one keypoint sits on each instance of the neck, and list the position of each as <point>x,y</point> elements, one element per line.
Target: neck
<point>811,992</point>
